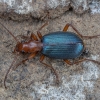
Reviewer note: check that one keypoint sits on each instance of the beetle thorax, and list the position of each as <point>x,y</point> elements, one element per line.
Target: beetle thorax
<point>29,47</point>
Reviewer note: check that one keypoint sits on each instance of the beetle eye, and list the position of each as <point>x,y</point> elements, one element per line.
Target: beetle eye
<point>23,51</point>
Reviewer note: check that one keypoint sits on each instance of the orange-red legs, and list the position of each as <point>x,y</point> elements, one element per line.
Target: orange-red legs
<point>38,32</point>
<point>78,33</point>
<point>33,46</point>
<point>81,60</point>
<point>32,37</point>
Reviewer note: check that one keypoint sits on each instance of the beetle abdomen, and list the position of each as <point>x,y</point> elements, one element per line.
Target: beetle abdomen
<point>62,45</point>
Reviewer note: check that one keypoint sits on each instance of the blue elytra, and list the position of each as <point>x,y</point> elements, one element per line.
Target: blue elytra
<point>62,45</point>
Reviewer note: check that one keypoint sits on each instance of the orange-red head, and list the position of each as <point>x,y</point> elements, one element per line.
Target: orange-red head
<point>28,47</point>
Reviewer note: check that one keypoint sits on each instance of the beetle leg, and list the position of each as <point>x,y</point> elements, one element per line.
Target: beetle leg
<point>68,62</point>
<point>67,26</point>
<point>34,37</point>
<point>23,61</point>
<point>41,60</point>
<point>9,70</point>
<point>43,26</point>
<point>90,37</point>
<point>46,16</point>
<point>78,33</point>
<point>38,32</point>
<point>39,35</point>
<point>76,62</point>
<point>81,60</point>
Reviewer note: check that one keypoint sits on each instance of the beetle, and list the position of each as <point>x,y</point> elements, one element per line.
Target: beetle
<point>59,45</point>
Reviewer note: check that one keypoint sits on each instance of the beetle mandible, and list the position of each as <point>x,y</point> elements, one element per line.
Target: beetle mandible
<point>59,45</point>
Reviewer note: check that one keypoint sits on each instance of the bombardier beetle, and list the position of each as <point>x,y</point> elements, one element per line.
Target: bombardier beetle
<point>59,45</point>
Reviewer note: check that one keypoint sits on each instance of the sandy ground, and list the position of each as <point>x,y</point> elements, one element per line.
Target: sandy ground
<point>77,82</point>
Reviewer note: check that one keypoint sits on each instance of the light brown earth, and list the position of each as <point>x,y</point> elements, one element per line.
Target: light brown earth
<point>33,70</point>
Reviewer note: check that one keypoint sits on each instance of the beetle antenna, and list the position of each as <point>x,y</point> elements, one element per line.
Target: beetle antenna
<point>9,70</point>
<point>10,33</point>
